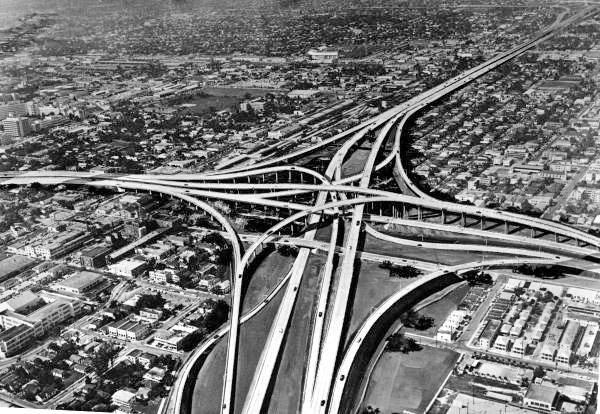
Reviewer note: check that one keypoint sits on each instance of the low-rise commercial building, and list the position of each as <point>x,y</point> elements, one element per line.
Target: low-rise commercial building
<point>80,283</point>
<point>540,397</point>
<point>128,268</point>
<point>128,329</point>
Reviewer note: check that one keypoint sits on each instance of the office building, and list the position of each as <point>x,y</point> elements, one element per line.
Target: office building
<point>16,127</point>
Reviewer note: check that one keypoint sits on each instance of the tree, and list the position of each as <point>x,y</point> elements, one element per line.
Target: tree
<point>399,343</point>
<point>287,250</point>
<point>539,372</point>
<point>217,315</point>
<point>478,278</point>
<point>402,271</point>
<point>215,238</point>
<point>104,358</point>
<point>414,320</point>
<point>192,340</point>
<point>150,301</point>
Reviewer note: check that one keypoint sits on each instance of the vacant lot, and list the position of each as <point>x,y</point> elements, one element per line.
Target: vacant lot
<point>408,381</point>
<point>203,104</point>
<point>373,287</point>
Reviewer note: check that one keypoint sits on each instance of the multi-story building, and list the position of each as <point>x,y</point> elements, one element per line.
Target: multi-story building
<point>150,315</point>
<point>40,312</point>
<point>570,335</point>
<point>174,337</point>
<point>489,333</point>
<point>16,127</point>
<point>323,55</point>
<point>128,329</point>
<point>95,257</point>
<point>128,267</point>
<point>501,343</point>
<point>548,352</point>
<point>15,339</point>
<point>163,276</point>
<point>519,347</point>
<point>124,400</point>
<point>53,246</point>
<point>588,340</point>
<point>563,356</point>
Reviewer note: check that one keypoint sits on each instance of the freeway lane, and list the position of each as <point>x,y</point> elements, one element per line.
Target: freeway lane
<point>332,340</point>
<point>342,400</point>
<point>162,187</point>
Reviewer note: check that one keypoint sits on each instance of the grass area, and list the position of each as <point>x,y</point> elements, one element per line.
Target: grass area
<point>440,310</point>
<point>408,381</point>
<point>324,233</point>
<point>203,103</point>
<point>272,269</point>
<point>373,287</point>
<point>355,163</point>
<point>447,257</point>
<point>209,382</point>
<point>288,378</point>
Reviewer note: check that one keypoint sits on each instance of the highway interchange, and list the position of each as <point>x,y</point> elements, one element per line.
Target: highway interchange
<point>350,206</point>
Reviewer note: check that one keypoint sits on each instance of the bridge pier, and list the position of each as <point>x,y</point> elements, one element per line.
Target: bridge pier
<point>463,220</point>
<point>443,216</point>
<point>404,210</point>
<point>482,223</point>
<point>419,213</point>
<point>532,233</point>
<point>506,227</point>
<point>556,238</point>
<point>301,178</point>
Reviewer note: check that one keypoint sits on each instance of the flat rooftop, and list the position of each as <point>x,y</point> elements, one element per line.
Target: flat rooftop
<point>14,264</point>
<point>81,280</point>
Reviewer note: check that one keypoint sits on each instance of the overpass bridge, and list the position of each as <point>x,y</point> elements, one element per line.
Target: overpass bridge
<point>302,195</point>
